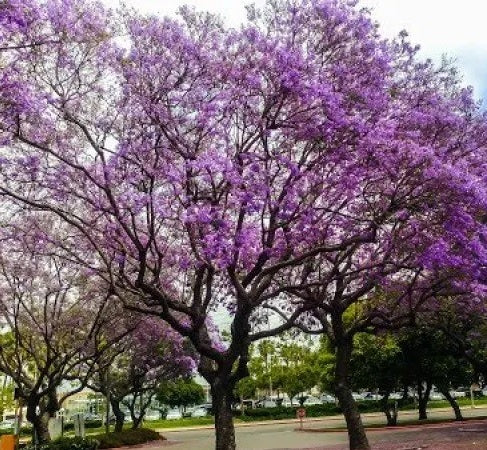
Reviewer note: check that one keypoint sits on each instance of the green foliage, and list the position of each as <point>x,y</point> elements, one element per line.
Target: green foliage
<point>127,437</point>
<point>180,393</point>
<point>377,363</point>
<point>67,444</point>
<point>429,357</point>
<point>7,401</point>
<point>246,388</point>
<point>324,358</point>
<point>286,365</point>
<point>69,426</point>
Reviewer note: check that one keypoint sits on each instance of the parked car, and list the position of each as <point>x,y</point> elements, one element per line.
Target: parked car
<point>199,412</point>
<point>327,398</point>
<point>436,396</point>
<point>152,415</point>
<point>396,395</point>
<point>89,417</point>
<point>7,424</point>
<point>266,403</point>
<point>458,394</point>
<point>371,396</point>
<point>311,400</point>
<point>356,396</point>
<point>174,414</point>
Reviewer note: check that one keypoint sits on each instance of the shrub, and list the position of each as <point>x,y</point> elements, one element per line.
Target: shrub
<point>127,437</point>
<point>289,412</point>
<point>69,426</point>
<point>67,444</point>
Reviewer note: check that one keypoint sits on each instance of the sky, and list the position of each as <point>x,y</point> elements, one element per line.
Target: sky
<point>454,28</point>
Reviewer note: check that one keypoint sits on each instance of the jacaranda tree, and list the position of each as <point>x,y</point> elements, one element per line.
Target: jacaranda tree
<point>194,167</point>
<point>54,330</point>
<point>151,354</point>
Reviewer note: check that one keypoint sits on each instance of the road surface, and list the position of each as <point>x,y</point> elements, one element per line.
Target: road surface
<point>285,436</point>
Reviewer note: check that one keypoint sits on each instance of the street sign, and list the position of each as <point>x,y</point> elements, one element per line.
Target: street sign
<point>300,414</point>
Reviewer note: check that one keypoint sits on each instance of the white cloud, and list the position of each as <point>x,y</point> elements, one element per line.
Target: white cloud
<point>455,28</point>
<point>449,27</point>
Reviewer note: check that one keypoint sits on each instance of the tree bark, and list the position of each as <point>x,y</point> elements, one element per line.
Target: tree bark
<point>39,422</point>
<point>423,398</point>
<point>405,393</point>
<point>356,432</point>
<point>453,404</point>
<point>389,410</point>
<point>221,392</point>
<point>119,414</point>
<point>137,421</point>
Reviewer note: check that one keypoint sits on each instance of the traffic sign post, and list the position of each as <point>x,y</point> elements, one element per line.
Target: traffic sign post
<point>300,414</point>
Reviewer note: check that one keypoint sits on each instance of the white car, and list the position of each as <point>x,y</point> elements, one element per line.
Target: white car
<point>312,401</point>
<point>437,396</point>
<point>199,412</point>
<point>327,398</point>
<point>356,396</point>
<point>152,415</point>
<point>174,414</point>
<point>396,395</point>
<point>7,424</point>
<point>457,394</point>
<point>371,396</point>
<point>266,403</point>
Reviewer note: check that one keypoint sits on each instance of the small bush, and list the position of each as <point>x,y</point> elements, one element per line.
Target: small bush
<point>67,444</point>
<point>127,437</point>
<point>69,426</point>
<point>289,412</point>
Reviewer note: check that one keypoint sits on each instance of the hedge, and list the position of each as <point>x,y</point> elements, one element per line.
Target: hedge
<point>127,437</point>
<point>326,409</point>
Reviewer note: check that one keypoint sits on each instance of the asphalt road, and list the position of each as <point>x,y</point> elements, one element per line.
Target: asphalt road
<point>284,436</point>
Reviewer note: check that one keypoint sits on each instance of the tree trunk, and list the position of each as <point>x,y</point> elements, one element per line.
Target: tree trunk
<point>221,393</point>
<point>389,410</point>
<point>119,415</point>
<point>453,404</point>
<point>356,432</point>
<point>405,393</point>
<point>137,421</point>
<point>39,422</point>
<point>423,398</point>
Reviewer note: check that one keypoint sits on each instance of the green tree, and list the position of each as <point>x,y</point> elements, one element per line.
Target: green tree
<point>180,393</point>
<point>300,372</point>
<point>246,388</point>
<point>431,360</point>
<point>377,364</point>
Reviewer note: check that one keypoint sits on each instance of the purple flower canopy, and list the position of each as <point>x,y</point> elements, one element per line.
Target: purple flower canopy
<point>201,166</point>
